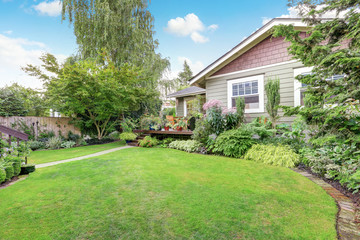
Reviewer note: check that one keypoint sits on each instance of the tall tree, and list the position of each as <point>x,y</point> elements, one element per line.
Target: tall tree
<point>332,46</point>
<point>272,89</point>
<point>185,75</point>
<point>11,103</point>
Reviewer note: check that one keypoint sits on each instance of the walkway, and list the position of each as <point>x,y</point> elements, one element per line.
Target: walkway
<point>82,157</point>
<point>347,226</point>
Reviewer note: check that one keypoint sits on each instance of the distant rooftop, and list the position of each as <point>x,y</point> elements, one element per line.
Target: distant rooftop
<point>190,91</point>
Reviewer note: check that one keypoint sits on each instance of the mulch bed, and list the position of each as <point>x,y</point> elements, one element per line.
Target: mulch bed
<point>354,197</point>
<point>12,181</point>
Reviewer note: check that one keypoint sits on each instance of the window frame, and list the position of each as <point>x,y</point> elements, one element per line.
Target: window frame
<point>297,85</point>
<point>260,80</point>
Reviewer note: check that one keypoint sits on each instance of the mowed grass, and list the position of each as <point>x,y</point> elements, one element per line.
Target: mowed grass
<point>45,156</point>
<point>142,193</point>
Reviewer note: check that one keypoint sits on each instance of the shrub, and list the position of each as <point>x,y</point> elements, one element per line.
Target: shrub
<point>167,141</point>
<point>2,175</point>
<point>233,143</point>
<point>127,136</point>
<point>68,144</point>
<point>202,131</point>
<point>16,163</point>
<point>280,155</point>
<point>54,143</point>
<point>187,146</point>
<point>35,145</point>
<point>9,169</point>
<point>26,169</point>
<point>148,142</point>
<point>114,135</point>
<point>95,141</point>
<point>73,137</point>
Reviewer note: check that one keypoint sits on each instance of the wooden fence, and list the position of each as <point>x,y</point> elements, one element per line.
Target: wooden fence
<point>36,125</point>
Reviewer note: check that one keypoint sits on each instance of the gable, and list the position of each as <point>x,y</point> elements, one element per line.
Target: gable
<point>269,51</point>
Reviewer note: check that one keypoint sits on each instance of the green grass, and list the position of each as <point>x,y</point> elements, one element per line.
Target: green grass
<point>45,156</point>
<point>142,193</point>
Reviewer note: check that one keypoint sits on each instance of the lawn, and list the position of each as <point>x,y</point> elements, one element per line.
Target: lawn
<point>139,193</point>
<point>45,156</point>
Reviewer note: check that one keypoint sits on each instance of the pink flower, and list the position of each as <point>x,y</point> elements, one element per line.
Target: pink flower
<point>226,111</point>
<point>212,103</point>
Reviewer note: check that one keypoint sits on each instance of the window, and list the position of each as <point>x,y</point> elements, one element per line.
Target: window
<point>299,88</point>
<point>251,88</point>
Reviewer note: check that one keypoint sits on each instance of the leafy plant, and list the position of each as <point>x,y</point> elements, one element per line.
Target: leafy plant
<point>128,124</point>
<point>240,109</point>
<point>27,168</point>
<point>9,170</point>
<point>187,146</point>
<point>272,89</point>
<point>2,175</point>
<point>148,142</point>
<point>280,155</point>
<point>127,136</point>
<point>68,144</point>
<point>35,145</point>
<point>233,143</point>
<point>54,143</point>
<point>202,131</point>
<point>181,123</point>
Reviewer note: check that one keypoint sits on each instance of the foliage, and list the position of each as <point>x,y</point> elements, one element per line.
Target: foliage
<point>202,131</point>
<point>54,143</point>
<point>148,142</point>
<point>259,128</point>
<point>11,104</point>
<point>68,144</point>
<point>150,121</point>
<point>332,48</point>
<point>73,137</point>
<point>184,76</point>
<point>272,89</point>
<point>169,112</point>
<point>114,135</point>
<point>231,118</point>
<point>9,170</point>
<point>127,136</point>
<point>195,106</point>
<point>181,123</point>
<point>27,168</point>
<point>278,155</point>
<point>35,145</point>
<point>16,163</point>
<point>128,124</point>
<point>240,109</point>
<point>187,146</point>
<point>233,143</point>
<point>214,116</point>
<point>2,175</point>
<point>167,141</point>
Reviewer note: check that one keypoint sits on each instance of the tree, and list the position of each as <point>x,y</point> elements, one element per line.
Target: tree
<point>272,89</point>
<point>240,109</point>
<point>184,76</point>
<point>124,28</point>
<point>332,46</point>
<point>11,104</point>
<point>95,92</point>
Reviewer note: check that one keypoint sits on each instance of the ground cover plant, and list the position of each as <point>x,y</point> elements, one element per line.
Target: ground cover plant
<point>38,157</point>
<point>157,193</point>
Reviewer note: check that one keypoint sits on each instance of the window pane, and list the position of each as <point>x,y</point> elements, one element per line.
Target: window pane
<point>233,102</point>
<point>235,89</point>
<point>247,88</point>
<point>241,89</point>
<point>252,102</point>
<point>254,87</point>
<point>302,96</point>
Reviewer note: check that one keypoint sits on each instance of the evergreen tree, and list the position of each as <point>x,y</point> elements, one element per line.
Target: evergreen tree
<point>184,76</point>
<point>332,47</point>
<point>272,89</point>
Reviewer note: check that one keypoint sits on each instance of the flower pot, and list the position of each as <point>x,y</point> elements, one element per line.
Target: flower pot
<point>128,141</point>
<point>167,128</point>
<point>179,129</point>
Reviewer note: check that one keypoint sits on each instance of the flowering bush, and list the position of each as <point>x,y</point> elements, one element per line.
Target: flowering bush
<point>187,146</point>
<point>148,142</point>
<point>212,104</point>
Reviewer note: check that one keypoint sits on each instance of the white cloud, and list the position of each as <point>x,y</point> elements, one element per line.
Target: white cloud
<point>294,12</point>
<point>198,38</point>
<point>16,53</point>
<point>191,26</point>
<point>52,9</point>
<point>8,32</point>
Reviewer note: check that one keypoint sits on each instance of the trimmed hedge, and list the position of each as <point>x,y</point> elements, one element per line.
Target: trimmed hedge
<point>9,169</point>
<point>26,169</point>
<point>17,166</point>
<point>2,175</point>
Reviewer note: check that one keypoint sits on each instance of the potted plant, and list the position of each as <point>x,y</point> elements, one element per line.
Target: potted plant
<point>128,136</point>
<point>180,125</point>
<point>168,126</point>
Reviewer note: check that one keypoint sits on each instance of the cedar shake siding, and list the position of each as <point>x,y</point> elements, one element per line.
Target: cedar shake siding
<point>216,87</point>
<point>269,51</point>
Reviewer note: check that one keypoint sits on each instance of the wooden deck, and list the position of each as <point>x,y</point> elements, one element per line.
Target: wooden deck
<point>163,132</point>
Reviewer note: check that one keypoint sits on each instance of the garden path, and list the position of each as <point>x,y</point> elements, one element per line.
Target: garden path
<point>348,226</point>
<point>82,157</point>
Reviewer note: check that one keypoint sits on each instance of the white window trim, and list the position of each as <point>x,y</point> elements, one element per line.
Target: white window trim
<point>260,79</point>
<point>297,84</point>
<point>185,108</point>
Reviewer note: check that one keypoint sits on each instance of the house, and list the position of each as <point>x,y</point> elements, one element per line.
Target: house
<point>244,70</point>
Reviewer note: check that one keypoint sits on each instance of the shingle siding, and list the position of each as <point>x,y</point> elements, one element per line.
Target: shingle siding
<point>216,88</point>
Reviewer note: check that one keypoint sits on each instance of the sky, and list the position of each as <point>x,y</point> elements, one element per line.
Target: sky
<point>198,31</point>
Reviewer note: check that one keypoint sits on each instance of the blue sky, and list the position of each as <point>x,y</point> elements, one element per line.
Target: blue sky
<point>199,31</point>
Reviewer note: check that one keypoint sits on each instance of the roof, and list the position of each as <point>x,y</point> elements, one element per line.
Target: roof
<point>190,91</point>
<point>245,45</point>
